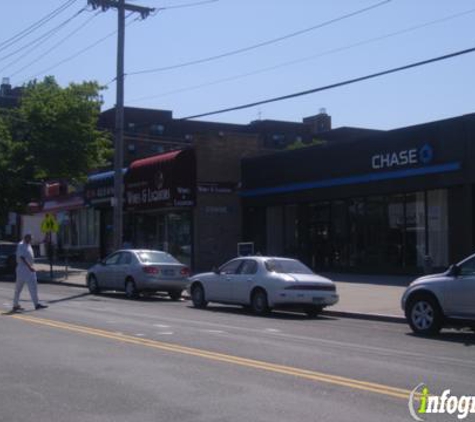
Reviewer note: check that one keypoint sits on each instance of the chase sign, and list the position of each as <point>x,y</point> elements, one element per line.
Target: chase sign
<point>405,157</point>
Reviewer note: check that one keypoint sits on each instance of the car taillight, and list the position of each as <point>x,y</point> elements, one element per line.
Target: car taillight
<point>151,270</point>
<point>185,272</point>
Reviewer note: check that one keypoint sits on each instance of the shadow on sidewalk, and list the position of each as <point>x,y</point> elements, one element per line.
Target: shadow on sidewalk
<point>374,279</point>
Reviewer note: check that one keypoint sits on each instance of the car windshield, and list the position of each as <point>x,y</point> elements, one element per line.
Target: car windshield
<point>148,257</point>
<point>288,266</point>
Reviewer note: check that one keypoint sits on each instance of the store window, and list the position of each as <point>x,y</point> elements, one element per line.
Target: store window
<point>177,234</point>
<point>340,234</point>
<point>437,222</point>
<point>319,235</point>
<point>357,239</point>
<point>396,230</point>
<point>415,234</point>
<point>275,241</point>
<point>291,234</point>
<point>376,231</point>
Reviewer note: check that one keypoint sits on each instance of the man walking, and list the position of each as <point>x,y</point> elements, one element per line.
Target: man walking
<point>25,272</point>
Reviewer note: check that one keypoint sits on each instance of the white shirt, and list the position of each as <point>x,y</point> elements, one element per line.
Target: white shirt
<point>26,251</point>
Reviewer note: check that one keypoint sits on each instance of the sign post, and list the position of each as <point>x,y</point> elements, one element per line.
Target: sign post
<point>50,225</point>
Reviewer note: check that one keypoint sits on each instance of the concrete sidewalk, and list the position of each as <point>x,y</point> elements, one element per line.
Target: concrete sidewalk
<point>371,297</point>
<point>375,297</point>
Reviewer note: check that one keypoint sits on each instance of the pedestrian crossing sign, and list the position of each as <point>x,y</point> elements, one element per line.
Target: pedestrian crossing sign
<point>49,224</point>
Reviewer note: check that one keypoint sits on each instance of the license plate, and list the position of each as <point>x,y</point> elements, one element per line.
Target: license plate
<point>317,300</point>
<point>168,272</point>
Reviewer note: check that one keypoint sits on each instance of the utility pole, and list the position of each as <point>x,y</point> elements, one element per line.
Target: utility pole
<point>118,205</point>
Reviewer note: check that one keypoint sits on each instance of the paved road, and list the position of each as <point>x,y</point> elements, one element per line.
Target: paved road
<point>105,358</point>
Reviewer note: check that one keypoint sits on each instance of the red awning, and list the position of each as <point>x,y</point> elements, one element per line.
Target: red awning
<point>163,180</point>
<point>156,159</point>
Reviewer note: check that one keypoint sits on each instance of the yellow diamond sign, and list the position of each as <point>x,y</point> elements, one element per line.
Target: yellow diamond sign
<point>49,224</point>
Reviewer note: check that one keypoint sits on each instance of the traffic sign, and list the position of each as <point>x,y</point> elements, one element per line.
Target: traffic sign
<point>49,224</point>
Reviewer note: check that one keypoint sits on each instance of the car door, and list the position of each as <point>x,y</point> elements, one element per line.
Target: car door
<point>461,291</point>
<point>108,271</point>
<point>242,282</point>
<point>219,286</point>
<point>122,270</point>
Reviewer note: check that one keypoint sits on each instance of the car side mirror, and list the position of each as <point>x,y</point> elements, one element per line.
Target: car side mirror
<point>454,270</point>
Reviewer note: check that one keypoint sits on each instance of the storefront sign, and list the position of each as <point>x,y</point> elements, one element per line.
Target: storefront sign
<point>99,188</point>
<point>216,188</point>
<point>164,180</point>
<point>404,157</point>
<point>217,209</point>
<point>98,193</point>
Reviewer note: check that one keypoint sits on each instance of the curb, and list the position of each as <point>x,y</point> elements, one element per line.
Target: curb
<point>368,317</point>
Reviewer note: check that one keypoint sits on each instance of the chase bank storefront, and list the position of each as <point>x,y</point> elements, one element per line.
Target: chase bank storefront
<point>398,201</point>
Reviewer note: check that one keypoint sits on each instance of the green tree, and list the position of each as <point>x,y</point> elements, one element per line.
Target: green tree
<point>61,139</point>
<point>299,144</point>
<point>52,135</point>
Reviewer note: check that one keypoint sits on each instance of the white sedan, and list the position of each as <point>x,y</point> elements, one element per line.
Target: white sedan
<point>264,283</point>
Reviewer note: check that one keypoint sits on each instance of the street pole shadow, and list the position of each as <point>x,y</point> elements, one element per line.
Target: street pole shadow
<point>65,299</point>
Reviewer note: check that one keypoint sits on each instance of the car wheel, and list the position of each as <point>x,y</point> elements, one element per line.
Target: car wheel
<point>131,289</point>
<point>259,303</point>
<point>313,311</point>
<point>198,296</point>
<point>93,285</point>
<point>175,294</point>
<point>424,315</point>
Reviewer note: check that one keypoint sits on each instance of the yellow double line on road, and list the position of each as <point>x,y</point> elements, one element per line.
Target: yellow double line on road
<point>220,357</point>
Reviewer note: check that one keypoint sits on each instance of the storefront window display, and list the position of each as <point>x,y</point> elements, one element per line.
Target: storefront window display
<point>370,233</point>
<point>167,231</point>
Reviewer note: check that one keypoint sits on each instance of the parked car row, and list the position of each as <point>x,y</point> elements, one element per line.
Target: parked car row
<point>264,283</point>
<point>261,283</point>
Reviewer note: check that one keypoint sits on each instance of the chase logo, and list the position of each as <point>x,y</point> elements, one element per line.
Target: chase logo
<point>426,154</point>
<point>413,156</point>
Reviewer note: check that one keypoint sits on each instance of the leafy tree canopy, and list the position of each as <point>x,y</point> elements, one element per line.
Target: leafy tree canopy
<point>60,134</point>
<point>52,135</point>
<point>299,144</point>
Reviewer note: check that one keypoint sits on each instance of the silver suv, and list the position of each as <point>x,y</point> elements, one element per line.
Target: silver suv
<point>446,299</point>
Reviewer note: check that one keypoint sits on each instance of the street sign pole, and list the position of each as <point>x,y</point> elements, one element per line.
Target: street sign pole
<point>50,254</point>
<point>121,7</point>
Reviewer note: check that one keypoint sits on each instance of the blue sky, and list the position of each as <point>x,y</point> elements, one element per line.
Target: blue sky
<point>376,40</point>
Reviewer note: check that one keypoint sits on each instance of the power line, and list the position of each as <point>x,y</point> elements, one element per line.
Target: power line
<point>307,58</point>
<point>261,44</point>
<point>77,54</point>
<point>335,85</point>
<point>25,32</point>
<point>181,6</point>
<point>40,57</point>
<point>43,37</point>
